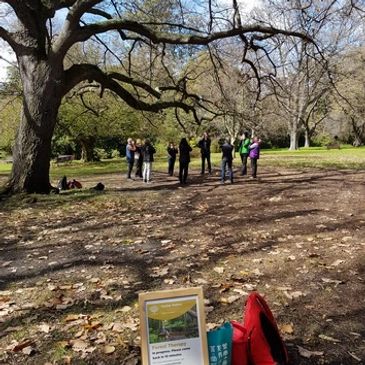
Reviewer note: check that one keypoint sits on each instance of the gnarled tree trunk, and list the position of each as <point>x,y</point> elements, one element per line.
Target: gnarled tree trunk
<point>32,150</point>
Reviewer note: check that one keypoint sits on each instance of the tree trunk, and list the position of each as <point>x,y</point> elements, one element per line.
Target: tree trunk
<point>87,149</point>
<point>32,150</point>
<point>294,136</point>
<point>307,141</point>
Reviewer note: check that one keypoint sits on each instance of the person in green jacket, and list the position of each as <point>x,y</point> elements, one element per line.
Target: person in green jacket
<point>244,151</point>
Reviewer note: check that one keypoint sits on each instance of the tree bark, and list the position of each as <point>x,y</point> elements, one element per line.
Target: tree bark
<point>32,150</point>
<point>87,149</point>
<point>294,136</point>
<point>307,140</point>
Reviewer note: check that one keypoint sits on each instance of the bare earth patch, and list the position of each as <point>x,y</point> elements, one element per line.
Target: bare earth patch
<point>72,266</point>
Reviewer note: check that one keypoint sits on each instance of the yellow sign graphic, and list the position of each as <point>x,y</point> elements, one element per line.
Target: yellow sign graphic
<point>169,310</point>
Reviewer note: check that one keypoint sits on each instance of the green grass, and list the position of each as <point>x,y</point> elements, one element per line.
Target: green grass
<point>314,157</point>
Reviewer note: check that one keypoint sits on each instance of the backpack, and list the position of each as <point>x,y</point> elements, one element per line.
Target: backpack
<point>258,341</point>
<point>74,184</point>
<point>62,184</point>
<point>98,187</point>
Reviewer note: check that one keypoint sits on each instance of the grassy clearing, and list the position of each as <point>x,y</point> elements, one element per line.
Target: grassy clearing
<point>314,157</point>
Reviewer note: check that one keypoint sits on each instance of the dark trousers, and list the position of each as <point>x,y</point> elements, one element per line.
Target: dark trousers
<point>171,166</point>
<point>227,164</point>
<point>183,173</point>
<point>206,156</point>
<point>139,167</point>
<point>244,157</point>
<point>130,167</point>
<point>254,167</point>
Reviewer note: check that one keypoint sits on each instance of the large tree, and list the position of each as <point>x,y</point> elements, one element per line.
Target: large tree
<point>47,74</point>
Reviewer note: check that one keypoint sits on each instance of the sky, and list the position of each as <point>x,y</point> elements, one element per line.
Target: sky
<point>7,54</point>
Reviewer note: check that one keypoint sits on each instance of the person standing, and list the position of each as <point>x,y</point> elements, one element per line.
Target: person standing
<point>254,155</point>
<point>244,151</point>
<point>147,151</point>
<point>138,157</point>
<point>227,158</point>
<point>204,145</point>
<point>172,152</point>
<point>184,159</point>
<point>130,149</point>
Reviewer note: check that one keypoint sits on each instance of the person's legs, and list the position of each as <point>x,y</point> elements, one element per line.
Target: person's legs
<point>253,167</point>
<point>145,171</point>
<point>140,164</point>
<point>223,169</point>
<point>172,166</point>
<point>230,170</point>
<point>181,168</point>
<point>244,163</point>
<point>169,166</point>
<point>149,168</point>
<point>209,164</point>
<point>203,164</point>
<point>130,167</point>
<point>186,168</point>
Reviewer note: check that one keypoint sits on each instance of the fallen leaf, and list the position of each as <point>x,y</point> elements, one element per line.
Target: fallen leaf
<point>44,327</point>
<point>29,350</point>
<point>287,328</point>
<point>125,309</point>
<point>219,270</point>
<point>332,281</point>
<point>108,349</point>
<point>308,354</point>
<point>328,338</point>
<point>337,262</point>
<point>20,346</point>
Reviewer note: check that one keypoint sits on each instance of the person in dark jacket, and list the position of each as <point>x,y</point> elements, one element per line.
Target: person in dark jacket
<point>172,152</point>
<point>184,159</point>
<point>204,145</point>
<point>227,159</point>
<point>138,157</point>
<point>147,151</point>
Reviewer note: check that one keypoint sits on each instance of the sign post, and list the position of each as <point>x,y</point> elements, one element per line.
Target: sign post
<point>173,330</point>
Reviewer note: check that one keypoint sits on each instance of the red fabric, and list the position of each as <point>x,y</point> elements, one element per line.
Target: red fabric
<point>265,346</point>
<point>239,344</point>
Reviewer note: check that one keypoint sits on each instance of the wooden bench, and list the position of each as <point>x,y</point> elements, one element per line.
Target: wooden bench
<point>64,159</point>
<point>333,145</point>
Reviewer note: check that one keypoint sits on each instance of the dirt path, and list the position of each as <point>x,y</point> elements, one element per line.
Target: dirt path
<point>70,272</point>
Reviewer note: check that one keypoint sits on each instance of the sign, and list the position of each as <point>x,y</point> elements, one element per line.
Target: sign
<point>173,328</point>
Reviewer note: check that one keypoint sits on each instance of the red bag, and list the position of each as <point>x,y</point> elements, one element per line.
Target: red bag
<point>265,346</point>
<point>239,344</point>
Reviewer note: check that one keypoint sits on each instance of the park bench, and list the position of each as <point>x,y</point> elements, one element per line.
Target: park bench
<point>333,145</point>
<point>9,160</point>
<point>64,159</point>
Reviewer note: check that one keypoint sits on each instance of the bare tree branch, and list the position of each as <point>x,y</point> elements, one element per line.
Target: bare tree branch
<point>86,72</point>
<point>177,38</point>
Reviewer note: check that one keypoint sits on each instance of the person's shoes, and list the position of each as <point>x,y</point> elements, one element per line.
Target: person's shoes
<point>222,181</point>
<point>231,181</point>
<point>144,181</point>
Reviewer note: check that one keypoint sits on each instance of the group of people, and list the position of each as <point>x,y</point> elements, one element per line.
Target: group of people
<point>142,155</point>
